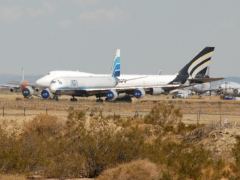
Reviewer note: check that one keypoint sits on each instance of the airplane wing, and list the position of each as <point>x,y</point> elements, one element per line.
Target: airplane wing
<point>12,87</point>
<point>204,80</point>
<point>16,86</point>
<point>103,91</point>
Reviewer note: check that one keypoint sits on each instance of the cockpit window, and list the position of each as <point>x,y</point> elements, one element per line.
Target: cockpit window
<point>53,81</point>
<point>60,82</point>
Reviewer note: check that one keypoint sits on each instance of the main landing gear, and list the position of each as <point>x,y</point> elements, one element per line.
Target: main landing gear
<point>55,97</point>
<point>99,99</point>
<point>73,99</point>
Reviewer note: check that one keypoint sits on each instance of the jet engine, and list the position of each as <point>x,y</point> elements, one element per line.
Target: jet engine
<point>157,91</point>
<point>46,94</point>
<point>235,92</point>
<point>27,91</point>
<point>111,95</point>
<point>139,93</point>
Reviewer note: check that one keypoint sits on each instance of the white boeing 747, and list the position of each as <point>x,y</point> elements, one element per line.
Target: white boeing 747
<point>95,84</point>
<point>135,85</point>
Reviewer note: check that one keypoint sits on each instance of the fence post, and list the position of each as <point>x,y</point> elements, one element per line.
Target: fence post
<point>220,112</point>
<point>197,117</point>
<point>46,111</point>
<point>24,111</point>
<point>3,111</point>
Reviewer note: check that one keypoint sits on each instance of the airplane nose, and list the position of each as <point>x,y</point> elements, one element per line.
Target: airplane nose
<point>39,82</point>
<point>43,82</point>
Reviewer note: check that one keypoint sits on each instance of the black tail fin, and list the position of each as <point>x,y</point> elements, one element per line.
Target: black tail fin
<point>196,68</point>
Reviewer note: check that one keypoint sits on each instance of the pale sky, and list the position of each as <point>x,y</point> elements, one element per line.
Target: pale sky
<point>153,35</point>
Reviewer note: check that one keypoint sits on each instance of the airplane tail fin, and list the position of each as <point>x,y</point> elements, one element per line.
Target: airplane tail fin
<point>116,70</point>
<point>197,67</point>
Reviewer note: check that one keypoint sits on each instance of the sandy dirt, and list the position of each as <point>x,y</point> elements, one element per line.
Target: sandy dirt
<point>222,116</point>
<point>205,110</point>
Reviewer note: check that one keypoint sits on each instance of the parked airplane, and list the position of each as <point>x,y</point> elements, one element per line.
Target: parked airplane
<point>230,88</point>
<point>139,85</point>
<point>181,93</point>
<point>16,86</point>
<point>42,84</point>
<point>88,85</point>
<point>41,87</point>
<point>197,89</point>
<point>220,88</point>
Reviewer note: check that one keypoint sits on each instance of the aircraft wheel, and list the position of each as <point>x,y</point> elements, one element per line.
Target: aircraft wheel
<point>73,99</point>
<point>99,100</point>
<point>55,98</point>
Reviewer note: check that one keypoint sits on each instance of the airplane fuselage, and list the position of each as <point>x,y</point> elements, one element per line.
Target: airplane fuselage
<point>123,80</point>
<point>144,80</point>
<point>83,82</point>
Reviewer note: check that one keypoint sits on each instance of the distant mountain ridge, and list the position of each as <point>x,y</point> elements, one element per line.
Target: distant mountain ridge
<point>233,79</point>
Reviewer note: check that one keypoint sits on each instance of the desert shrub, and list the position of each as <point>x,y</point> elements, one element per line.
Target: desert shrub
<point>191,161</point>
<point>236,154</point>
<point>236,151</point>
<point>42,125</point>
<point>38,143</point>
<point>9,152</point>
<point>82,148</point>
<point>186,160</point>
<point>75,117</point>
<point>85,146</point>
<point>137,170</point>
<point>30,150</point>
<point>164,114</point>
<point>183,129</point>
<point>101,145</point>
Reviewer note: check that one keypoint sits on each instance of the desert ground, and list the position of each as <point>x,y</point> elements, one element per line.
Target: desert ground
<point>203,110</point>
<point>15,111</point>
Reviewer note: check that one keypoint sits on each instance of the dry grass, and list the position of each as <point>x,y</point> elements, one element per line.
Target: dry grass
<point>91,137</point>
<point>135,170</point>
<point>12,177</point>
<point>208,107</point>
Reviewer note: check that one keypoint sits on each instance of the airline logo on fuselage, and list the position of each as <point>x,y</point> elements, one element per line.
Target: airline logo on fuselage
<point>74,83</point>
<point>122,80</point>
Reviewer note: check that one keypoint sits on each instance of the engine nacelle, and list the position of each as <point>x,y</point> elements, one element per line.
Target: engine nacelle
<point>236,92</point>
<point>11,89</point>
<point>157,91</point>
<point>27,91</point>
<point>139,93</point>
<point>46,94</point>
<point>230,91</point>
<point>111,95</point>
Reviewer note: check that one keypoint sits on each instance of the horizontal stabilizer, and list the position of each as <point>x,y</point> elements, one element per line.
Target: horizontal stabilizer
<point>204,80</point>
